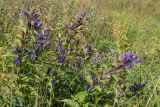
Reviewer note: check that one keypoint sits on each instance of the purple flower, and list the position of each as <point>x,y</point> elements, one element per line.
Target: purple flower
<point>17,51</point>
<point>26,14</point>
<point>129,55</point>
<point>135,88</point>
<point>43,43</point>
<point>84,14</point>
<point>117,56</point>
<point>137,60</point>
<point>42,34</point>
<point>37,24</point>
<point>87,87</point>
<point>121,91</point>
<point>125,59</point>
<point>17,61</point>
<point>139,86</point>
<point>69,24</point>
<point>37,47</point>
<point>134,57</point>
<point>29,23</point>
<point>129,66</point>
<point>92,76</point>
<point>33,56</point>
<point>60,49</point>
<point>55,50</point>
<point>36,15</point>
<point>62,59</point>
<point>74,25</point>
<point>129,60</point>
<point>94,79</point>
<point>53,81</point>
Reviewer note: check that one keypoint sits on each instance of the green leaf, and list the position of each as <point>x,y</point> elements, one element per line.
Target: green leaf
<point>18,40</point>
<point>80,96</point>
<point>70,102</point>
<point>88,79</point>
<point>98,88</point>
<point>85,105</point>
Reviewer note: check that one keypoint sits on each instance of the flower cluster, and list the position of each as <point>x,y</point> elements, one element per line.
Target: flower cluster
<point>71,28</point>
<point>81,16</point>
<point>134,89</point>
<point>17,60</point>
<point>129,60</point>
<point>41,41</point>
<point>94,82</point>
<point>32,19</point>
<point>61,52</point>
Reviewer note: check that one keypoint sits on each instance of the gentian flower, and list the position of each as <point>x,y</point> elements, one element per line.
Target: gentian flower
<point>121,91</point>
<point>125,59</point>
<point>82,16</point>
<point>17,51</point>
<point>42,34</point>
<point>87,87</point>
<point>135,88</point>
<point>94,79</point>
<point>33,56</point>
<point>37,24</point>
<point>117,56</point>
<point>139,86</point>
<point>137,60</point>
<point>55,50</point>
<point>129,66</point>
<point>37,47</point>
<point>129,60</point>
<point>43,43</point>
<point>26,14</point>
<point>62,59</point>
<point>60,49</point>
<point>17,61</point>
<point>36,15</point>
<point>32,19</point>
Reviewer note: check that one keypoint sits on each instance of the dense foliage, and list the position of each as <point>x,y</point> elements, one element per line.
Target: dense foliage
<point>79,54</point>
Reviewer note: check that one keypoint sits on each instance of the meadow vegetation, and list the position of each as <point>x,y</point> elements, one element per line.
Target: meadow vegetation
<point>80,53</point>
